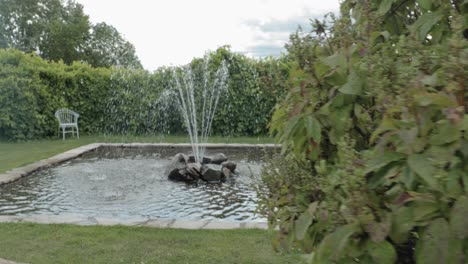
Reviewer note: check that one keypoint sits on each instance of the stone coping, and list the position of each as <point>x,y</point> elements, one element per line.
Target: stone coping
<point>18,173</point>
<point>77,219</point>
<point>188,145</point>
<point>4,261</point>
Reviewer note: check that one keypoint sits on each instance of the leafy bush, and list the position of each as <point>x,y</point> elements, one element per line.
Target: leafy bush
<point>128,101</point>
<point>375,124</point>
<point>254,87</point>
<point>27,104</point>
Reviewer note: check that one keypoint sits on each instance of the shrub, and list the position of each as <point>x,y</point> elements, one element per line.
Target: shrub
<point>127,101</point>
<point>375,123</point>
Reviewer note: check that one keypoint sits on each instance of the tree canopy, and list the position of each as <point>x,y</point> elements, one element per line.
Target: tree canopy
<point>107,47</point>
<point>58,30</point>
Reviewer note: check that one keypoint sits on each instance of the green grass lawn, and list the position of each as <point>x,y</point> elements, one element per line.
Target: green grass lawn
<point>36,243</point>
<point>13,155</point>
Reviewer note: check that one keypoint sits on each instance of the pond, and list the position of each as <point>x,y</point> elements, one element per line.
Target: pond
<point>120,183</point>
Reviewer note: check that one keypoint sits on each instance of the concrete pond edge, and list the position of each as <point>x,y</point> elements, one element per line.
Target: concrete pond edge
<point>76,219</point>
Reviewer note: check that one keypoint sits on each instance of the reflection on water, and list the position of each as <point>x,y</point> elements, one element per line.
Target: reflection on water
<point>130,182</point>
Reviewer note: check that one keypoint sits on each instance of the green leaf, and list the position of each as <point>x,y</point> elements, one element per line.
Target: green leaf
<point>448,133</point>
<point>332,246</point>
<point>433,246</point>
<point>407,177</point>
<point>382,252</point>
<point>378,178</point>
<point>421,164</point>
<point>321,69</point>
<point>408,135</point>
<point>334,60</point>
<point>402,223</point>
<point>465,124</point>
<point>377,36</point>
<point>430,80</point>
<point>339,120</point>
<point>304,221</point>
<point>426,4</point>
<point>354,85</point>
<point>335,78</point>
<point>385,6</point>
<point>425,210</point>
<point>440,99</point>
<point>455,253</point>
<point>458,218</point>
<point>314,129</point>
<point>378,231</point>
<point>386,125</point>
<point>302,224</point>
<point>453,186</point>
<point>424,24</point>
<point>384,159</point>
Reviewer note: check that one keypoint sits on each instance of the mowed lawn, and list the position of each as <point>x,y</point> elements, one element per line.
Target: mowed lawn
<point>40,243</point>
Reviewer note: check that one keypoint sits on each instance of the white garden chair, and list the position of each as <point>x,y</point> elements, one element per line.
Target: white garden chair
<point>67,119</point>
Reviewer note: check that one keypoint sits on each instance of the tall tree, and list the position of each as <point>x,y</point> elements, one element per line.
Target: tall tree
<point>22,23</point>
<point>107,47</point>
<point>66,34</point>
<point>59,30</point>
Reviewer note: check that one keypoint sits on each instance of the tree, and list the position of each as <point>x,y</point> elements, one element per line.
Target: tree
<point>107,47</point>
<point>66,34</point>
<point>22,23</point>
<point>62,31</point>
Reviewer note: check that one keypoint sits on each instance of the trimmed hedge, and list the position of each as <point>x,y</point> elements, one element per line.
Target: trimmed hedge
<point>127,101</point>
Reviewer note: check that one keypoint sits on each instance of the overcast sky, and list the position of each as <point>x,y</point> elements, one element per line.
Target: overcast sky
<point>172,32</point>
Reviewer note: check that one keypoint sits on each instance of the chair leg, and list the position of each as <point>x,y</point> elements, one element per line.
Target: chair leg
<point>77,132</point>
<point>63,130</point>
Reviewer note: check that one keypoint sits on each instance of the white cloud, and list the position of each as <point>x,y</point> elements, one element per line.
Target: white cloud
<point>173,32</point>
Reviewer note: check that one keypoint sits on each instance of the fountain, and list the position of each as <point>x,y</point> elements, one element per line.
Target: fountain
<point>198,116</point>
<point>128,183</point>
<point>192,113</point>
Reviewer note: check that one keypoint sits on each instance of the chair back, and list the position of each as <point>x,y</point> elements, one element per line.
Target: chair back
<point>66,116</point>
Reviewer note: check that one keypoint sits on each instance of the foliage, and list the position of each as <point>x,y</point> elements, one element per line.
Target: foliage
<point>66,34</point>
<point>106,47</point>
<point>24,99</point>
<point>137,104</point>
<point>374,132</point>
<point>254,88</point>
<point>33,89</point>
<point>58,30</point>
<point>127,101</point>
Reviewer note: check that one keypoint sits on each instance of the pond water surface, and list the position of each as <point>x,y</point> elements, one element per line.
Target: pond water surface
<point>127,182</point>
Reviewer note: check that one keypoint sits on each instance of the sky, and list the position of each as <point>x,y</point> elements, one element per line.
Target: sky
<point>173,32</point>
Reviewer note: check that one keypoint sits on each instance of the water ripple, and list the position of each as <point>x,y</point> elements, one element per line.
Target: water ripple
<point>128,184</point>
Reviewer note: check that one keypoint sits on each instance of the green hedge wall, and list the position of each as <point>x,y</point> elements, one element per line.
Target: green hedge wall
<point>127,101</point>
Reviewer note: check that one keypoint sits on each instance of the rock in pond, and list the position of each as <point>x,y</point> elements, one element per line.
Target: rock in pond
<point>179,175</point>
<point>184,168</point>
<point>227,173</point>
<point>218,158</point>
<point>211,174</point>
<point>205,160</point>
<point>231,165</point>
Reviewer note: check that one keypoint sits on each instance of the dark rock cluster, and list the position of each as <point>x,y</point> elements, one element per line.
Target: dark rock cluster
<point>216,168</point>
